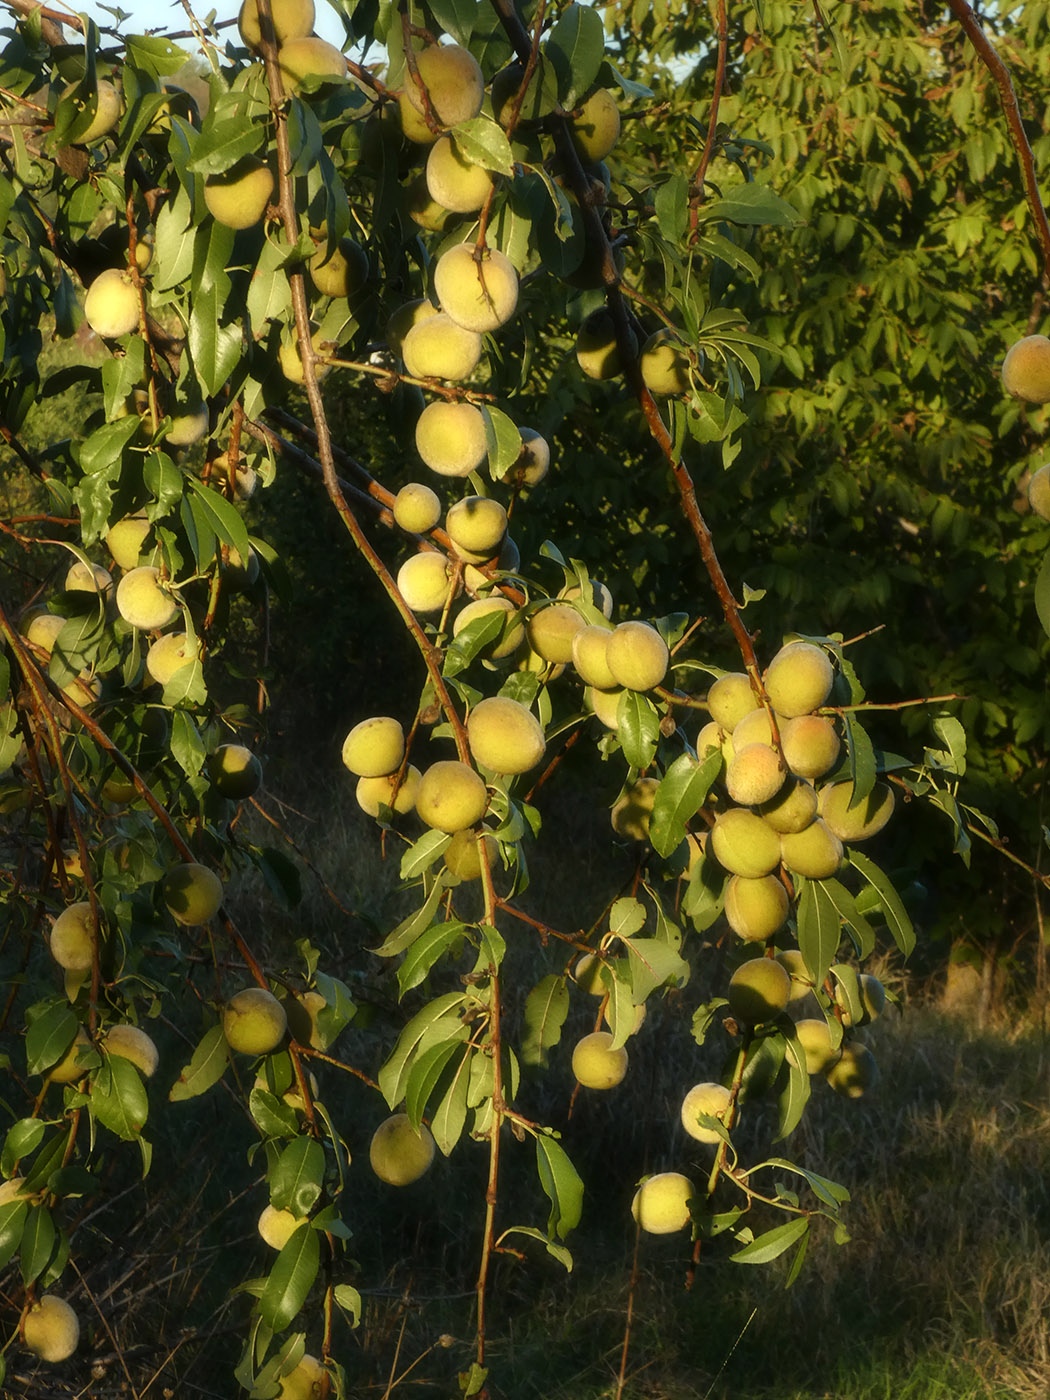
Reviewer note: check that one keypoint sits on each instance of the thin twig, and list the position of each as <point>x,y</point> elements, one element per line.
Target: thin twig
<point>1008,97</point>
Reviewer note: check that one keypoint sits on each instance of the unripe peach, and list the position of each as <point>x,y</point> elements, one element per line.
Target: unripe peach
<point>861,821</point>
<point>374,747</point>
<point>798,679</point>
<point>637,656</point>
<point>1026,369</point>
<point>661,1204</point>
<point>504,736</point>
<point>436,347</point>
<point>815,852</point>
<point>744,844</point>
<point>142,602</point>
<point>755,774</point>
<point>111,307</point>
<point>451,796</point>
<point>755,909</point>
<point>479,291</point>
<point>811,745</point>
<point>373,792</point>
<point>239,197</point>
<point>51,1329</point>
<point>632,813</point>
<point>417,508</point>
<point>596,1064</point>
<point>451,438</point>
<point>399,1154</point>
<point>423,581</point>
<point>551,630</point>
<point>730,699</point>
<point>192,893</point>
<point>758,990</point>
<point>454,82</point>
<point>596,126</point>
<point>254,1021</point>
<point>815,1039</point>
<point>708,1098</point>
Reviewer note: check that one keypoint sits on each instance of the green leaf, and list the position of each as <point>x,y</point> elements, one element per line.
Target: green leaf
<point>819,928</point>
<point>297,1177</point>
<point>173,244</point>
<point>626,916</point>
<point>546,1008</point>
<point>638,728</point>
<point>187,747</point>
<point>272,1115</point>
<point>482,142</point>
<point>438,1021</point>
<point>751,204</point>
<point>562,1185</point>
<point>424,952</point>
<point>557,1251</point>
<point>38,1242</point>
<point>671,204</point>
<point>156,55</point>
<point>216,349</point>
<point>795,1090</point>
<point>291,1278</point>
<point>106,444</point>
<point>652,964</point>
<point>846,905</point>
<point>449,1118</point>
<point>896,915</point>
<point>409,929</point>
<point>575,48</point>
<point>422,854</point>
<point>503,441</point>
<point>270,293</point>
<point>224,518</point>
<point>456,17</point>
<point>862,766</point>
<point>22,1138</point>
<point>424,1077</point>
<point>12,1223</point>
<point>206,1067</point>
<point>222,144</point>
<point>118,1098</point>
<point>773,1243</point>
<point>49,1037</point>
<point>682,792</point>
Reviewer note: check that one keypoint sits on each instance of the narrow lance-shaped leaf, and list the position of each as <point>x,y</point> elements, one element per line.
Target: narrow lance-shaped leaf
<point>773,1243</point>
<point>896,915</point>
<point>546,1008</point>
<point>291,1278</point>
<point>206,1067</point>
<point>562,1184</point>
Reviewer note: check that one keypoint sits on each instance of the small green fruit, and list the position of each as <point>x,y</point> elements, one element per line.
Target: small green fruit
<point>192,893</point>
<point>398,1153</point>
<point>254,1021</point>
<point>596,1064</point>
<point>710,1099</point>
<point>661,1204</point>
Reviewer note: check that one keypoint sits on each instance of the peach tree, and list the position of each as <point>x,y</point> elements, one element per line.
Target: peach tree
<point>467,199</point>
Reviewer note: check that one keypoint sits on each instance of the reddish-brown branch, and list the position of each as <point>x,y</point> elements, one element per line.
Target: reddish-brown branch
<point>1008,97</point>
<point>712,124</point>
